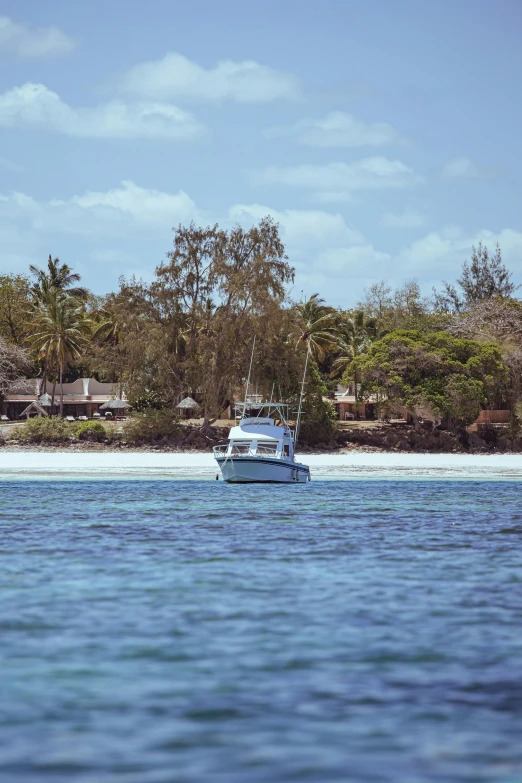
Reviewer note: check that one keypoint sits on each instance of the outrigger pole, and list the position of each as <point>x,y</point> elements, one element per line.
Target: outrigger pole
<point>298,422</point>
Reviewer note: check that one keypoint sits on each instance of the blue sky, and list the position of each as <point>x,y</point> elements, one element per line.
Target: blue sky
<point>383,137</point>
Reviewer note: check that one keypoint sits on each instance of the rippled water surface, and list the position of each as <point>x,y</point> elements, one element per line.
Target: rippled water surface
<point>193,631</point>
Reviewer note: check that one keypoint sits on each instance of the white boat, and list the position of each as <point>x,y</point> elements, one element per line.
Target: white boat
<point>261,450</point>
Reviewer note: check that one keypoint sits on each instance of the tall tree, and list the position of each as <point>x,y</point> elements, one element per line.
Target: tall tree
<point>60,332</point>
<point>189,278</point>
<point>497,320</point>
<point>15,301</point>
<point>356,334</point>
<point>317,325</point>
<point>434,376</point>
<point>13,363</point>
<point>58,277</point>
<point>401,308</point>
<point>214,293</point>
<point>320,423</point>
<point>50,285</point>
<point>484,278</point>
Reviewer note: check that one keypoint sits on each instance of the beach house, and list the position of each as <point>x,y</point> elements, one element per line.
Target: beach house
<point>348,408</point>
<point>82,397</point>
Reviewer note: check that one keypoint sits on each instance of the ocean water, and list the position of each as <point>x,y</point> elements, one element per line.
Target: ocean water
<point>182,631</point>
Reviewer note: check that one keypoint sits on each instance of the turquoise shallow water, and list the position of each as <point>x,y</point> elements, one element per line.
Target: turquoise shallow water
<point>153,632</point>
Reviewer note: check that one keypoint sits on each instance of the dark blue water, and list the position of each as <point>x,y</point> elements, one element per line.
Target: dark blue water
<point>192,631</point>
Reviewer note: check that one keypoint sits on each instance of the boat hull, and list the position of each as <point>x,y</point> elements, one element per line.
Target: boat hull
<point>248,470</point>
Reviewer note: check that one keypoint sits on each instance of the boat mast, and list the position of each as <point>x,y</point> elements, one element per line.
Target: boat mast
<point>298,422</point>
<point>248,379</point>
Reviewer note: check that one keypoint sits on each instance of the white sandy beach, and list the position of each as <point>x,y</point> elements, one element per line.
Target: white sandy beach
<point>353,465</point>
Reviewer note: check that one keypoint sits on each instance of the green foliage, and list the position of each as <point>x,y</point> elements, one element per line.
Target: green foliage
<point>434,376</point>
<point>191,331</point>
<point>147,400</point>
<point>319,423</point>
<point>485,278</point>
<point>52,429</point>
<point>402,308</point>
<point>15,301</point>
<point>513,431</point>
<point>58,277</point>
<point>13,364</point>
<point>90,430</point>
<point>356,334</point>
<point>152,425</point>
<point>318,326</point>
<point>464,398</point>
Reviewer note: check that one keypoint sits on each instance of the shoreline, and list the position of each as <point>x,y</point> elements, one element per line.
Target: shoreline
<point>63,464</point>
<point>87,447</point>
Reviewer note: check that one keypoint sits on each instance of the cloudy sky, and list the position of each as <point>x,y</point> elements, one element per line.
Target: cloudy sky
<point>384,137</point>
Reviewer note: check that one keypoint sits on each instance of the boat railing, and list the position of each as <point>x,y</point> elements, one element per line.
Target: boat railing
<point>221,451</point>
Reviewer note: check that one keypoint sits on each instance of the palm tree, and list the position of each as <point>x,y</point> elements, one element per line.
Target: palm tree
<point>318,325</point>
<point>356,334</point>
<point>60,330</point>
<point>108,331</point>
<point>58,277</point>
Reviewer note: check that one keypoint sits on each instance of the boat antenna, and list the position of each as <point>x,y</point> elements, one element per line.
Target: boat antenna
<point>248,379</point>
<point>298,422</point>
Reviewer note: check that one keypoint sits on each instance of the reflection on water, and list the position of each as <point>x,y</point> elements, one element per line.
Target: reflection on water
<point>192,631</point>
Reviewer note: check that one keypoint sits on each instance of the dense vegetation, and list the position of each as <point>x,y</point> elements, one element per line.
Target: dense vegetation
<point>190,332</point>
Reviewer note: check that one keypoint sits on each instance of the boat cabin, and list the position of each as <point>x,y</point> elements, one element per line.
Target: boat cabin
<point>260,437</point>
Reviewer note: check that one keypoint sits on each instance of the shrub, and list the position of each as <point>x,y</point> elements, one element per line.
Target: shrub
<point>152,425</point>
<point>90,430</point>
<point>52,429</point>
<point>319,424</point>
<point>148,399</point>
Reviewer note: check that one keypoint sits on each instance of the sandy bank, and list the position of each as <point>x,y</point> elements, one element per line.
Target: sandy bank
<point>351,465</point>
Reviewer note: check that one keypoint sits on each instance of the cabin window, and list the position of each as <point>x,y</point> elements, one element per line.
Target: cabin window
<point>267,448</point>
<point>240,448</point>
<point>286,450</point>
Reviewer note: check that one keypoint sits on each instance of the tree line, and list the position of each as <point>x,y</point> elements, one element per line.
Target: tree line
<point>190,332</point>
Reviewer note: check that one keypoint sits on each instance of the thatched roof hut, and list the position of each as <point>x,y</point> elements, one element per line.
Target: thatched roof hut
<point>188,406</point>
<point>34,407</point>
<point>115,405</point>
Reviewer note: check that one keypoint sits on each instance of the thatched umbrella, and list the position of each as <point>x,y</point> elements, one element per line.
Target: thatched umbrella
<point>115,405</point>
<point>187,405</point>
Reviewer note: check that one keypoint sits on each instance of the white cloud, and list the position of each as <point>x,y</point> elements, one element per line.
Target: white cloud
<point>146,207</point>
<point>104,233</point>
<point>122,211</point>
<point>439,254</point>
<point>460,168</point>
<point>338,129</point>
<point>175,76</point>
<point>365,174</point>
<point>302,229</point>
<point>22,41</point>
<point>35,106</point>
<point>407,219</point>
<point>329,255</point>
